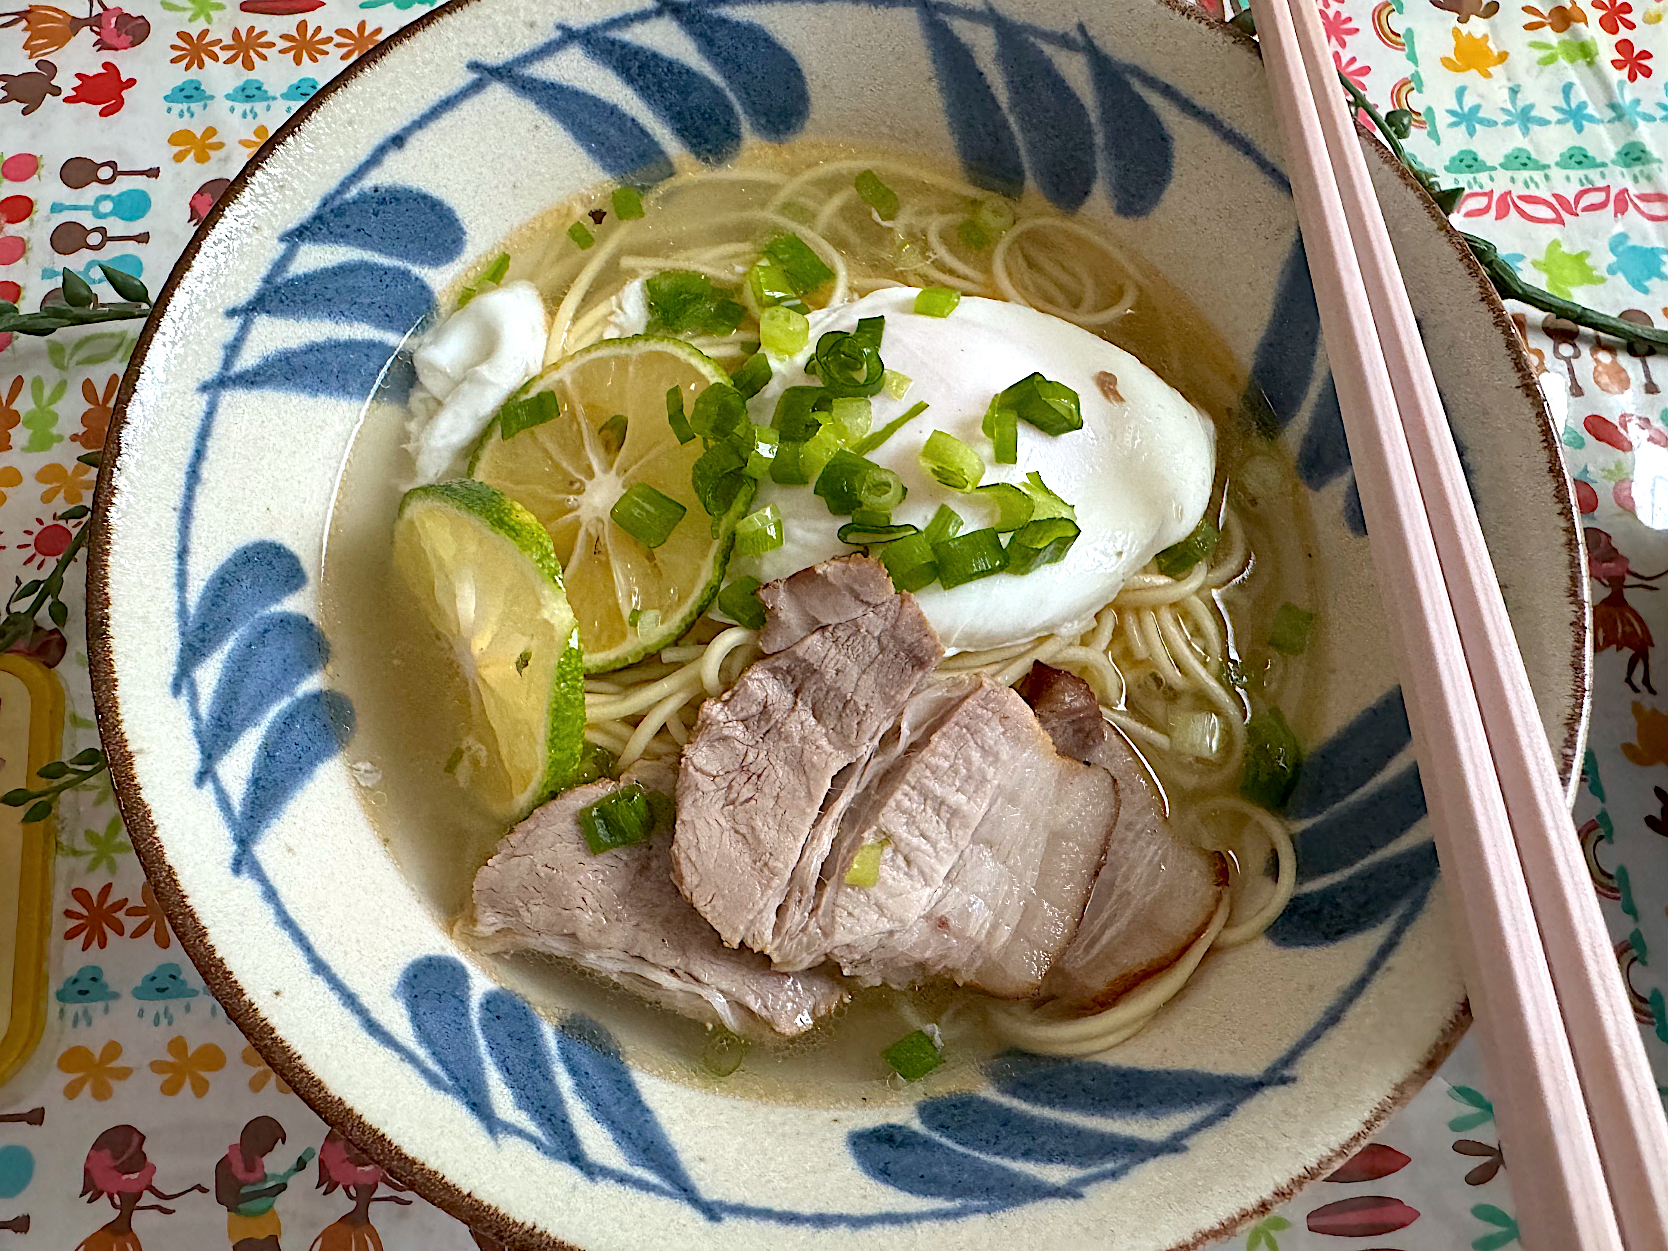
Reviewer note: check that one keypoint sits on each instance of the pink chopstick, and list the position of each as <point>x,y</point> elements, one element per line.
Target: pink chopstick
<point>1487,772</point>
<point>1616,1080</point>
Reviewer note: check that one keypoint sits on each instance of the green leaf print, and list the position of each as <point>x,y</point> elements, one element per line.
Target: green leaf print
<point>1505,1233</point>
<point>1470,1120</point>
<point>1566,271</point>
<point>42,419</point>
<point>195,10</point>
<point>56,354</point>
<point>102,849</point>
<point>1262,1234</point>
<point>96,349</point>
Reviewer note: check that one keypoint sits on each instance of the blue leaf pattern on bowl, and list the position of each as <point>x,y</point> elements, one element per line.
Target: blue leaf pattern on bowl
<point>763,76</point>
<point>306,732</point>
<point>515,1040</point>
<point>1140,154</point>
<point>1358,903</point>
<point>987,1127</point>
<point>1285,358</point>
<point>1053,124</point>
<point>434,991</point>
<point>401,223</point>
<point>909,1160</point>
<point>1091,1088</point>
<point>265,664</point>
<point>249,581</point>
<point>363,293</point>
<point>985,142</point>
<point>686,101</point>
<point>343,369</point>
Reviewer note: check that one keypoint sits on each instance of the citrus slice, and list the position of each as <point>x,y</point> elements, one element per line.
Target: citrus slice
<point>486,575</point>
<point>630,599</point>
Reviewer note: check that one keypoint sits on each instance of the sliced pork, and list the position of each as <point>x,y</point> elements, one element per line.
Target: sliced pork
<point>835,590</point>
<point>619,914</point>
<point>759,769</point>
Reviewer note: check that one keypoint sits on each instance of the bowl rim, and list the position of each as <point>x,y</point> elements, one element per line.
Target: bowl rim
<point>434,1187</point>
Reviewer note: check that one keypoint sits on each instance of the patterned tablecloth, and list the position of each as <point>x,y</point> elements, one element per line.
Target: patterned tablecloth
<point>1554,120</point>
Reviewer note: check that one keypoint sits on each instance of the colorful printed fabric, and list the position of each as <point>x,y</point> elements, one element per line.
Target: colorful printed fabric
<point>118,131</point>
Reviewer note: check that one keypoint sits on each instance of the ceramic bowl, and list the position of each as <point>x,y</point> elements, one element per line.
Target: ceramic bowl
<point>231,743</point>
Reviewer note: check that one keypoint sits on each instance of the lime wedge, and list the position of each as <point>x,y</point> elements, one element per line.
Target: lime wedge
<point>630,600</point>
<point>483,568</point>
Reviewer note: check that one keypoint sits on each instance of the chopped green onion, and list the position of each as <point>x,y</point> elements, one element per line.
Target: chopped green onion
<point>1051,407</point>
<point>817,451</point>
<point>1014,505</point>
<point>1197,734</point>
<point>804,268</point>
<point>914,1055</point>
<point>785,469</point>
<point>1178,558</point>
<point>619,819</point>
<point>945,524</point>
<point>595,761</point>
<point>719,412</point>
<point>500,266</point>
<point>1044,502</point>
<point>1001,427</point>
<point>682,302</point>
<point>723,1052</point>
<point>976,554</point>
<point>869,330</point>
<point>766,444</point>
<point>880,436</point>
<point>1273,760</point>
<point>847,364</point>
<point>525,413</point>
<point>877,195</point>
<point>769,284</point>
<point>584,238</point>
<point>860,532</point>
<point>995,216</point>
<point>973,235</point>
<point>740,602</point>
<point>1039,543</point>
<point>865,865</point>
<point>674,415</point>
<point>1290,632</point>
<point>783,331</point>
<point>795,415</point>
<point>628,203</point>
<point>937,301</point>
<point>910,562</point>
<point>759,532</point>
<point>453,761</point>
<point>849,482</point>
<point>613,434</point>
<point>753,376</point>
<point>853,415</point>
<point>951,461</point>
<point>719,477</point>
<point>895,384</point>
<point>646,514</point>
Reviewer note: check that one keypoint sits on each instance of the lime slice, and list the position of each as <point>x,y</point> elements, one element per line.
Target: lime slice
<point>484,570</point>
<point>630,600</point>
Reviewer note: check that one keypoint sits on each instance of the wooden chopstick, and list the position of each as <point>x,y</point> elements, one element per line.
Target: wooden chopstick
<point>1616,1081</point>
<point>1563,1199</point>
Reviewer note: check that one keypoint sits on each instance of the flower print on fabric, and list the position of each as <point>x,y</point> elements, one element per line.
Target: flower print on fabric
<point>95,1074</point>
<point>94,920</point>
<point>184,1065</point>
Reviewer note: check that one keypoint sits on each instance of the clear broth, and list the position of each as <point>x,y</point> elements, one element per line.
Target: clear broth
<point>413,708</point>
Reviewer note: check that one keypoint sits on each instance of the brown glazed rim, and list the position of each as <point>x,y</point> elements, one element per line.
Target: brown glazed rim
<point>194,938</point>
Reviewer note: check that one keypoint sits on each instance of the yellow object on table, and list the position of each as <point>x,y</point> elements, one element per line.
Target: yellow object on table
<point>31,729</point>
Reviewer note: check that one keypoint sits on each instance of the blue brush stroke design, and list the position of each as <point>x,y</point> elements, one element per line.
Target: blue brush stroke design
<point>265,664</point>
<point>365,293</point>
<point>306,732</point>
<point>984,140</point>
<point>1352,757</point>
<point>515,1040</point>
<point>908,1160</point>
<point>1360,902</point>
<point>342,369</point>
<point>1053,124</point>
<point>687,102</point>
<point>763,76</point>
<point>610,136</point>
<point>609,1092</point>
<point>1355,518</point>
<point>1359,827</point>
<point>434,991</point>
<point>1090,1088</point>
<point>247,583</point>
<point>1285,357</point>
<point>1140,154</point>
<point>402,223</point>
<point>988,1127</point>
<point>1324,453</point>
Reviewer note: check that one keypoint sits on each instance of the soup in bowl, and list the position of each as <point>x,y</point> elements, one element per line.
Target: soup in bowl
<point>765,593</point>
